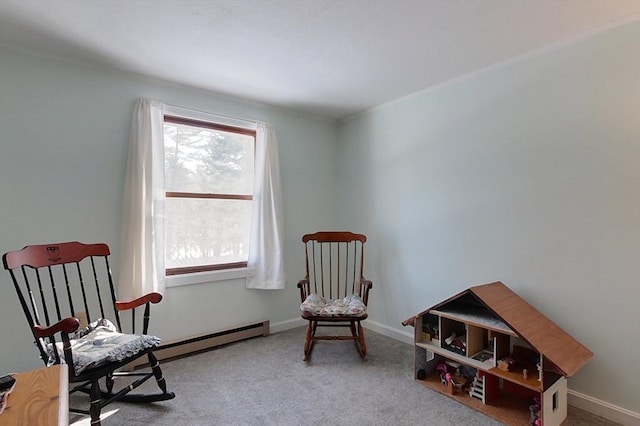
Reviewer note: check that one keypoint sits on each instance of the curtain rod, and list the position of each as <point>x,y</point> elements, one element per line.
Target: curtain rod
<point>211,115</point>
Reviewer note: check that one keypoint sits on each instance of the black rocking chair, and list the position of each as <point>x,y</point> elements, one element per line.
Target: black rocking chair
<point>59,284</point>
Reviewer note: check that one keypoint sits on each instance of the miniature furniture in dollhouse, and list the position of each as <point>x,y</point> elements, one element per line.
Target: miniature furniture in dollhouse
<point>334,292</point>
<point>514,359</point>
<point>59,284</point>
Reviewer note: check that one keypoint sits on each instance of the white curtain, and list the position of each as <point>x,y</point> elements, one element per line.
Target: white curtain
<point>265,265</point>
<point>142,268</point>
<point>142,253</point>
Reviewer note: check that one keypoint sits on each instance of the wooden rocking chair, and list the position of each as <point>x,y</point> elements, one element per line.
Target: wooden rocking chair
<point>334,292</point>
<point>59,283</point>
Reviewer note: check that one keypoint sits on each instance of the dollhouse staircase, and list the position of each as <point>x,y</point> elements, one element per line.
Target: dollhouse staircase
<point>477,388</point>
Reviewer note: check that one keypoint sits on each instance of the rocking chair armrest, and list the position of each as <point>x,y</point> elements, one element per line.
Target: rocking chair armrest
<point>147,298</point>
<point>303,285</point>
<point>67,325</point>
<point>365,286</point>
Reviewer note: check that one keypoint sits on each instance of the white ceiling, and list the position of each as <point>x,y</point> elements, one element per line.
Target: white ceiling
<point>327,57</point>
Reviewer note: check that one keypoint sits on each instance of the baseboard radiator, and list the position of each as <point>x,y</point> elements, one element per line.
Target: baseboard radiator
<point>194,344</point>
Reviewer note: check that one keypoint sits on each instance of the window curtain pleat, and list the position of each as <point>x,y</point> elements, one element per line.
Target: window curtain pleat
<point>265,264</point>
<point>142,267</point>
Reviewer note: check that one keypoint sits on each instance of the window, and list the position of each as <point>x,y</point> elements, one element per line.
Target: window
<point>216,220</point>
<point>209,177</point>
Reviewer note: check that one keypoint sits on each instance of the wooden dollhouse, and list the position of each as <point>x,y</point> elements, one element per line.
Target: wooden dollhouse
<point>489,349</point>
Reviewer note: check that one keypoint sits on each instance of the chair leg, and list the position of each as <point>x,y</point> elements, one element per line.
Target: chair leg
<point>308,342</point>
<point>109,383</point>
<point>157,372</point>
<point>354,333</point>
<point>95,395</point>
<point>362,346</point>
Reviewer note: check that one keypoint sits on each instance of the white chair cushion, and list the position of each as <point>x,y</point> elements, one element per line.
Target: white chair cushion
<point>100,343</point>
<point>351,305</point>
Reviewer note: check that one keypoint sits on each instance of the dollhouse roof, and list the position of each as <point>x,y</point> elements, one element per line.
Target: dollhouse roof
<point>559,350</point>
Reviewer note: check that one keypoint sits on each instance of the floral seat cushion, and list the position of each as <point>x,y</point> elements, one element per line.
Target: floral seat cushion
<point>351,305</point>
<point>101,343</point>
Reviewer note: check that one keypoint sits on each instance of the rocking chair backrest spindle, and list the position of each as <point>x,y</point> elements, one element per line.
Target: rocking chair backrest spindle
<point>334,263</point>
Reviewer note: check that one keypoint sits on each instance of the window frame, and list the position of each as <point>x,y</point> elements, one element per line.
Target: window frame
<point>202,273</point>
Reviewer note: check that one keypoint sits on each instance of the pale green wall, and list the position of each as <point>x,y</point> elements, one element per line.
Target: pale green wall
<point>64,135</point>
<point>528,173</point>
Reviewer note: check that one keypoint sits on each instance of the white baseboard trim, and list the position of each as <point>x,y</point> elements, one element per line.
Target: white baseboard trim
<point>406,337</point>
<point>276,327</point>
<point>394,333</point>
<point>603,409</point>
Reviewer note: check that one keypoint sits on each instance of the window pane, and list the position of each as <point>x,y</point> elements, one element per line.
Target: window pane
<point>207,161</point>
<point>206,231</point>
